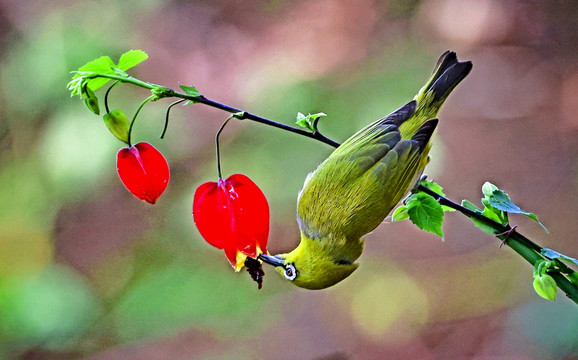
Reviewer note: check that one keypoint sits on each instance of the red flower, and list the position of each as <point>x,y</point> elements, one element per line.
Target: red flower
<point>143,170</point>
<point>233,215</point>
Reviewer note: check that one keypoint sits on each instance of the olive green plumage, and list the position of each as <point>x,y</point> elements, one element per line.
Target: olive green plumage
<point>356,187</point>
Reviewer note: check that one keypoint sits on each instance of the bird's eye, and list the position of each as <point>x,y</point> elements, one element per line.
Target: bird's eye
<point>290,272</point>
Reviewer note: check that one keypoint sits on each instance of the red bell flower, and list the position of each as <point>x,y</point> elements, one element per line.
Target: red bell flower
<point>233,215</point>
<point>143,170</point>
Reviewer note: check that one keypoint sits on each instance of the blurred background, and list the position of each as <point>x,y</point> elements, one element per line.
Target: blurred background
<point>87,271</point>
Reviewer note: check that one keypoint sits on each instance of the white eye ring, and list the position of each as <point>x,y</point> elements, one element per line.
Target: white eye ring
<point>290,272</point>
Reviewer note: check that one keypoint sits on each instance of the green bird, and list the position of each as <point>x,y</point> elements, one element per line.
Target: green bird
<point>356,187</point>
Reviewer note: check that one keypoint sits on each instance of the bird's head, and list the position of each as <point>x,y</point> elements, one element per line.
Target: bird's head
<point>309,267</point>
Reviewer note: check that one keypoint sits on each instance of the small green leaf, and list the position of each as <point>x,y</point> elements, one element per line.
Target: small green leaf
<point>102,65</point>
<point>545,286</point>
<point>425,212</point>
<point>552,254</point>
<point>573,278</point>
<point>433,187</point>
<point>192,91</point>
<point>480,225</point>
<point>131,59</point>
<point>500,200</point>
<point>309,121</point>
<point>494,214</point>
<point>400,213</point>
<point>470,205</point>
<point>438,190</point>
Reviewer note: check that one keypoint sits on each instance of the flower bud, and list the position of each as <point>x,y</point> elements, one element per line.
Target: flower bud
<point>118,124</point>
<point>488,188</point>
<point>545,286</point>
<point>90,100</point>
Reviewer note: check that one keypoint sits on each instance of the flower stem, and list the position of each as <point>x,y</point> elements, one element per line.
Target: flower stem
<point>217,145</point>
<point>135,116</point>
<point>160,92</point>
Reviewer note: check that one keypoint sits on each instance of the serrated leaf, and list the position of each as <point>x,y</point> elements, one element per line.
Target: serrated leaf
<point>552,254</point>
<point>500,200</point>
<point>438,190</point>
<point>131,59</point>
<point>400,213</point>
<point>425,212</point>
<point>103,65</point>
<point>433,187</point>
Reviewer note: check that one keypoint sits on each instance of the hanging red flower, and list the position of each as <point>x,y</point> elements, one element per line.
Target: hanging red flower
<point>143,170</point>
<point>233,215</point>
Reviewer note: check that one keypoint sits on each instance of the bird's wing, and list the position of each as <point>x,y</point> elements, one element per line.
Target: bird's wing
<point>354,189</point>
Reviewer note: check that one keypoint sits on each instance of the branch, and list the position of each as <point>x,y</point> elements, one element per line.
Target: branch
<point>516,241</point>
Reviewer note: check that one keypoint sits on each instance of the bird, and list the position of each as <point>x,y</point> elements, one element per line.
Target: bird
<point>354,189</point>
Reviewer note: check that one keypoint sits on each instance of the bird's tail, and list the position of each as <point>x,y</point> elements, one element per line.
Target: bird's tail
<point>447,74</point>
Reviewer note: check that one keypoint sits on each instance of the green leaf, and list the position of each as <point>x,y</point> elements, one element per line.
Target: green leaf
<point>309,121</point>
<point>400,213</point>
<point>500,200</point>
<point>102,65</point>
<point>494,214</point>
<point>192,91</point>
<point>552,254</point>
<point>425,212</point>
<point>438,190</point>
<point>470,205</point>
<point>131,59</point>
<point>545,286</point>
<point>433,187</point>
<point>480,225</point>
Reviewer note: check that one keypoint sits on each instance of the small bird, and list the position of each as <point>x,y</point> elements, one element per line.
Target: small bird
<point>355,188</point>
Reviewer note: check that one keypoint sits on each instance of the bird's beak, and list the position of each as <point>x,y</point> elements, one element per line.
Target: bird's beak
<point>271,260</point>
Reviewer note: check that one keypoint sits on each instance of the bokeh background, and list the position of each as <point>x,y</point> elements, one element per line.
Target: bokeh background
<point>87,271</point>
